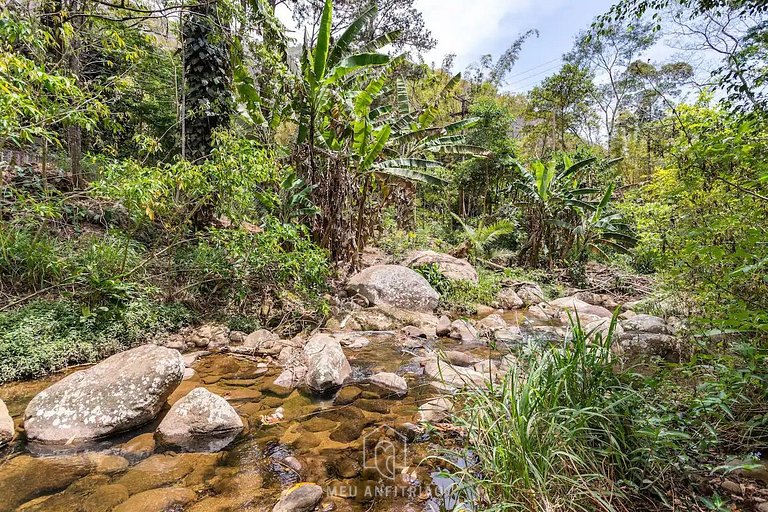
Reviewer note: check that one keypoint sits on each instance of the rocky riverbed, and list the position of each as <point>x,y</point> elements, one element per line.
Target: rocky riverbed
<point>345,419</point>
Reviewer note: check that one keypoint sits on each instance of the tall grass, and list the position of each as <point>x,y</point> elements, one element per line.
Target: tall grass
<point>561,432</point>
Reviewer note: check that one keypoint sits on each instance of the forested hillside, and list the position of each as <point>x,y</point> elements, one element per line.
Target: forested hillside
<point>556,298</point>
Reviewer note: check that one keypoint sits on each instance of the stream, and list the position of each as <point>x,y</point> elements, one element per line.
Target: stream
<point>364,447</point>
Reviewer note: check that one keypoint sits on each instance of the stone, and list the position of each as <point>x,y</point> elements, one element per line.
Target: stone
<point>237,337</point>
<point>538,312</point>
<point>458,358</point>
<point>464,331</point>
<point>105,498</point>
<point>118,394</point>
<point>530,294</point>
<point>189,373</point>
<point>351,340</point>
<point>23,478</point>
<point>263,342</point>
<point>638,343</point>
<point>140,447</point>
<point>394,285</point>
<point>413,332</point>
<point>646,323</point>
<point>483,310</point>
<point>201,422</point>
<point>7,427</point>
<point>302,497</point>
<point>391,382</point>
<point>443,326</point>
<point>158,500</point>
<point>386,318</point>
<point>192,357</point>
<point>507,298</point>
<point>293,463</point>
<point>455,269</point>
<point>435,410</point>
<point>213,336</point>
<point>106,464</point>
<point>165,469</point>
<point>455,377</point>
<point>601,326</point>
<point>580,307</point>
<point>626,315</point>
<point>291,378</point>
<point>491,323</point>
<point>327,366</point>
<point>510,334</point>
<point>347,395</point>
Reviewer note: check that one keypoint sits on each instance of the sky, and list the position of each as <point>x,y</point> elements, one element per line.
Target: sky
<point>471,28</point>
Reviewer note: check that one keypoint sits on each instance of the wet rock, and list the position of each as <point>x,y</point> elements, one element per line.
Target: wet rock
<point>456,377</point>
<point>579,306</point>
<point>646,323</point>
<point>507,298</point>
<point>376,405</point>
<point>140,447</point>
<point>458,358</point>
<point>165,469</point>
<point>394,285</point>
<point>105,498</point>
<point>351,340</point>
<point>491,323</point>
<point>318,424</point>
<point>347,432</point>
<point>327,366</point>
<point>291,378</point>
<point>106,464</point>
<point>158,500</point>
<point>302,497</point>
<point>530,294</point>
<point>391,382</point>
<point>7,427</point>
<point>464,331</point>
<point>200,422</point>
<point>23,478</point>
<point>293,463</point>
<point>192,357</point>
<point>118,394</point>
<point>443,326</point>
<point>347,467</point>
<point>455,269</point>
<point>347,395</point>
<point>435,410</point>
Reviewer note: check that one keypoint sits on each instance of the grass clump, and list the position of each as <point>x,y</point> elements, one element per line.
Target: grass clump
<point>562,431</point>
<point>43,337</point>
<point>462,296</point>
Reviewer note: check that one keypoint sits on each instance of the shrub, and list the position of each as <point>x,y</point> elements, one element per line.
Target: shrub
<point>462,296</point>
<point>43,337</point>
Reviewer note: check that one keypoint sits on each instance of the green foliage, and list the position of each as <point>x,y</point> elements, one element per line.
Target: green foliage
<point>482,238</point>
<point>700,220</point>
<point>43,337</point>
<point>241,266</point>
<point>462,296</point>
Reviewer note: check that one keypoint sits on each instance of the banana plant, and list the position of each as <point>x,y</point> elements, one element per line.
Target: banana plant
<point>601,229</point>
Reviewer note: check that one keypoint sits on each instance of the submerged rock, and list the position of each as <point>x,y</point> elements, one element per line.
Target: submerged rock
<point>301,497</point>
<point>24,477</point>
<point>158,500</point>
<point>456,269</point>
<point>394,285</point>
<point>391,382</point>
<point>7,428</point>
<point>118,394</point>
<point>327,366</point>
<point>200,422</point>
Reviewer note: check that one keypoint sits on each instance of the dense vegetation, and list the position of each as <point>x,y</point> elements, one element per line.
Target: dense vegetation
<point>165,163</point>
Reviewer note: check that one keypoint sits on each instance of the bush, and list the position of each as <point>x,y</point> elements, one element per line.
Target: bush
<point>463,296</point>
<point>44,337</point>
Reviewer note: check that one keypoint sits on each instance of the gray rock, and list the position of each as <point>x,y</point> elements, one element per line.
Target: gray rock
<point>118,394</point>
<point>192,357</point>
<point>327,366</point>
<point>443,326</point>
<point>413,331</point>
<point>455,269</point>
<point>491,323</point>
<point>464,331</point>
<point>601,326</point>
<point>507,298</point>
<point>301,497</point>
<point>530,294</point>
<point>637,343</point>
<point>394,285</point>
<point>458,358</point>
<point>199,422</point>
<point>453,377</point>
<point>7,428</point>
<point>389,318</point>
<point>435,410</point>
<point>391,382</point>
<point>646,323</point>
<point>291,377</point>
<point>579,306</point>
<point>510,334</point>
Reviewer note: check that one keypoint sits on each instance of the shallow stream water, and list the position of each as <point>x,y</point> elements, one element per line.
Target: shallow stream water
<point>363,446</point>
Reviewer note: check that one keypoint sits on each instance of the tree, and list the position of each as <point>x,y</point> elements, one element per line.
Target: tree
<point>392,15</point>
<point>561,105</point>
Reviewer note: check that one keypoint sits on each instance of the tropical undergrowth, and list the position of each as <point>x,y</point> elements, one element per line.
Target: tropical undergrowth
<point>568,429</point>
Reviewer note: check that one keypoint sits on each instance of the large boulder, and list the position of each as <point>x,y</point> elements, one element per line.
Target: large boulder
<point>646,335</point>
<point>455,269</point>
<point>6,425</point>
<point>327,366</point>
<point>200,422</point>
<point>394,285</point>
<point>118,394</point>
